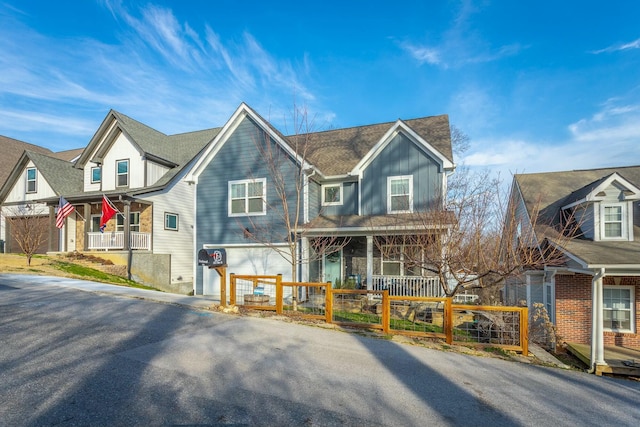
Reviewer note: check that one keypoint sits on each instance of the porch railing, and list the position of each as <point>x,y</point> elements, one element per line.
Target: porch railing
<point>115,240</point>
<point>414,286</point>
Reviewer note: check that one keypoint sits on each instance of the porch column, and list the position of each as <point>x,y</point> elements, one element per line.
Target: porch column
<point>597,327</point>
<point>369,262</point>
<point>87,226</point>
<point>127,225</point>
<point>53,229</point>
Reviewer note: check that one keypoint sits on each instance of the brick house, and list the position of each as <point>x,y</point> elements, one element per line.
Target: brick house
<point>594,296</point>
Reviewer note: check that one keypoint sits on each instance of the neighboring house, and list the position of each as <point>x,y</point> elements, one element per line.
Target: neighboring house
<point>12,150</point>
<point>359,185</point>
<point>140,170</point>
<point>34,178</point>
<point>594,296</point>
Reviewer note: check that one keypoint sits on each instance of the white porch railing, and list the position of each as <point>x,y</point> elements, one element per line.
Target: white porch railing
<point>415,286</point>
<point>115,240</point>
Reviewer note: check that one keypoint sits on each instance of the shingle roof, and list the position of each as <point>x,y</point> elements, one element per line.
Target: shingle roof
<point>179,148</point>
<point>12,150</point>
<point>337,152</point>
<point>68,155</point>
<point>60,174</point>
<point>551,191</point>
<point>407,222</point>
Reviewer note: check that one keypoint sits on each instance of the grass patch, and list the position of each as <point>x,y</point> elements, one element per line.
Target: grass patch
<point>96,275</point>
<point>346,316</point>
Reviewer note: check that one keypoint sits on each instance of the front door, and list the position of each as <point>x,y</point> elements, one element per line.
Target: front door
<point>332,267</point>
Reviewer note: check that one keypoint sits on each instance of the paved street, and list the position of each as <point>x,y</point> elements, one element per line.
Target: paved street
<point>79,353</point>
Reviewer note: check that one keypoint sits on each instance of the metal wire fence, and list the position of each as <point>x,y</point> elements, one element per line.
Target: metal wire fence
<point>504,327</point>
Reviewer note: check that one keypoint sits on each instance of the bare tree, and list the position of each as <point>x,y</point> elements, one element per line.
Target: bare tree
<point>477,241</point>
<point>289,177</point>
<point>27,227</point>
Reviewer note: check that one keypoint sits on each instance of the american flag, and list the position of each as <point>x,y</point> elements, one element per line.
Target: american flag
<point>64,210</point>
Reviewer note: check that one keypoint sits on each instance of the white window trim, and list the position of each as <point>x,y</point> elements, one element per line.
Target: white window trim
<point>245,182</point>
<point>623,220</point>
<point>34,180</point>
<point>167,214</point>
<point>389,195</point>
<point>632,309</point>
<point>326,203</point>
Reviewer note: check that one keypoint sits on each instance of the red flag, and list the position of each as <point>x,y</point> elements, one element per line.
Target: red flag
<point>64,210</point>
<point>108,211</point>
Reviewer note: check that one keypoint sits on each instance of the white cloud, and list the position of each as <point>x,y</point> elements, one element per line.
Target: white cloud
<point>619,47</point>
<point>605,139</point>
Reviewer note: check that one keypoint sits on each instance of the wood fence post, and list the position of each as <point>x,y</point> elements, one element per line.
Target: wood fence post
<point>386,312</point>
<point>279,294</point>
<point>448,320</point>
<point>328,303</point>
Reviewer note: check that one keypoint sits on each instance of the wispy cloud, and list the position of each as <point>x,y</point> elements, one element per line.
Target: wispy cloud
<point>459,45</point>
<point>619,47</point>
<point>614,130</point>
<point>164,72</point>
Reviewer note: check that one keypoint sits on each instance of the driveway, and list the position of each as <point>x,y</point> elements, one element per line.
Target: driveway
<point>79,353</point>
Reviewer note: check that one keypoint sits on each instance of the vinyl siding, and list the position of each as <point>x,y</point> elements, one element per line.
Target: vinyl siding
<point>401,157</point>
<point>176,199</point>
<point>349,204</point>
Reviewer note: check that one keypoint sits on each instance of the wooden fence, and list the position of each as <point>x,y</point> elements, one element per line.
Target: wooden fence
<point>437,317</point>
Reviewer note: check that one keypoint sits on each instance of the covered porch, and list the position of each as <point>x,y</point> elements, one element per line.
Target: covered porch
<point>619,360</point>
<point>359,263</point>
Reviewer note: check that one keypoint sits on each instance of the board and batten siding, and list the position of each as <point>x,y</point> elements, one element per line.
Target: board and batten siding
<point>349,204</point>
<point>176,199</point>
<point>399,158</point>
<point>155,172</point>
<point>122,149</point>
<point>240,159</point>
<point>18,192</point>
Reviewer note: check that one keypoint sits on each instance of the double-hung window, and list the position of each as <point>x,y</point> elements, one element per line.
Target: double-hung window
<point>619,313</point>
<point>32,175</point>
<point>400,194</point>
<point>122,173</point>
<point>248,197</point>
<point>613,224</point>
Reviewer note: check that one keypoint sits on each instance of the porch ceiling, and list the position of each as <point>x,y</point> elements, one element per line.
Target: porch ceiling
<point>381,224</point>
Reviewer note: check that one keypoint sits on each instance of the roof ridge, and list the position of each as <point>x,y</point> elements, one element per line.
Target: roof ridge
<point>368,125</point>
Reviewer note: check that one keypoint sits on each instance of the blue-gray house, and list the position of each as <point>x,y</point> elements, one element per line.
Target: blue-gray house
<point>316,206</point>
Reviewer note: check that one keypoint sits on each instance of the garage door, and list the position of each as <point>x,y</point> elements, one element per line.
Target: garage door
<point>39,224</point>
<point>250,260</point>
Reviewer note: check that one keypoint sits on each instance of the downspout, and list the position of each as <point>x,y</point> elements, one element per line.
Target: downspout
<point>597,335</point>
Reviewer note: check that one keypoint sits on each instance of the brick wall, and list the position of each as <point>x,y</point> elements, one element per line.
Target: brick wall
<point>573,310</point>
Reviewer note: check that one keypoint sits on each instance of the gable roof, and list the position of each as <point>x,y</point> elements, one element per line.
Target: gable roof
<point>12,150</point>
<point>68,155</point>
<point>59,174</point>
<point>173,150</point>
<point>339,151</point>
<point>551,191</point>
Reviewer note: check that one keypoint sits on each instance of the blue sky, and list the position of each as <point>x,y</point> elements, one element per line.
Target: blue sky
<point>537,86</point>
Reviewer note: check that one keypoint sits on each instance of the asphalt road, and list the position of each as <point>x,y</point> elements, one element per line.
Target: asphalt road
<point>79,353</point>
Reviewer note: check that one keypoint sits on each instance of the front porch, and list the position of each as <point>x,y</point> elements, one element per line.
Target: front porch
<point>620,360</point>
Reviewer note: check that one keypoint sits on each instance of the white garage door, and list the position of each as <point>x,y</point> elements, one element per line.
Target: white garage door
<point>250,260</point>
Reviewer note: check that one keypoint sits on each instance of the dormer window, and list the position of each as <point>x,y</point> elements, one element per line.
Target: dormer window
<point>122,173</point>
<point>613,221</point>
<point>31,180</point>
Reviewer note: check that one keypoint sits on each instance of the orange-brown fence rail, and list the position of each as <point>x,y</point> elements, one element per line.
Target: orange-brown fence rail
<point>490,326</point>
